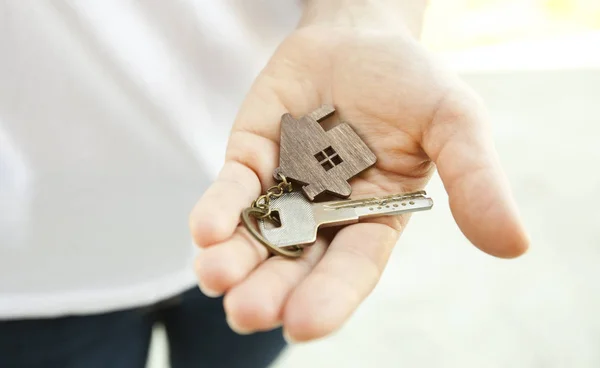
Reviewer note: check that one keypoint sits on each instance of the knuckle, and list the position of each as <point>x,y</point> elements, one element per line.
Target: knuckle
<point>197,230</point>
<point>214,274</point>
<point>249,312</point>
<point>208,227</point>
<point>305,326</point>
<point>202,230</point>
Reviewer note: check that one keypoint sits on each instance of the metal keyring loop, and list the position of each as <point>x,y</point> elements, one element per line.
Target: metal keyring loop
<point>253,211</point>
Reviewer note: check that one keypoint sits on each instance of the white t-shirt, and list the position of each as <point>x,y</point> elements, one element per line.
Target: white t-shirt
<point>114,117</point>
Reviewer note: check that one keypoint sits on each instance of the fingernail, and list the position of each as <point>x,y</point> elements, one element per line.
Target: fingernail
<point>208,292</point>
<point>288,338</point>
<point>238,330</point>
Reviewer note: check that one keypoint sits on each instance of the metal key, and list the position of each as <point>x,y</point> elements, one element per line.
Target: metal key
<point>300,219</point>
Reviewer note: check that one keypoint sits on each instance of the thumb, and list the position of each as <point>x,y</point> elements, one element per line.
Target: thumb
<point>459,142</point>
<point>252,155</point>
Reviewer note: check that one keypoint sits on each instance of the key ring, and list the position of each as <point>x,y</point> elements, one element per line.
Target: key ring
<point>260,213</point>
<point>261,209</point>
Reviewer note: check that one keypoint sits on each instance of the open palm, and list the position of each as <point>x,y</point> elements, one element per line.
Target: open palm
<point>412,114</point>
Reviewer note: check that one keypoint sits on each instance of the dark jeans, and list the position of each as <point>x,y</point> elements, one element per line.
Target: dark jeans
<point>195,324</point>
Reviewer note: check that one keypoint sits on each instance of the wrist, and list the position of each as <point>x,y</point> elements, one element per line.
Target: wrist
<point>404,16</point>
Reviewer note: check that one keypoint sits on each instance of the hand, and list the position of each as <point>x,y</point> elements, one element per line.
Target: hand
<point>413,115</point>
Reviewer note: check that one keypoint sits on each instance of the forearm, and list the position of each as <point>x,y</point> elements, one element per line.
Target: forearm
<point>392,15</point>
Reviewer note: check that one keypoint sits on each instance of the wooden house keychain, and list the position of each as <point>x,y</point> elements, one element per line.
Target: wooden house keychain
<point>319,162</point>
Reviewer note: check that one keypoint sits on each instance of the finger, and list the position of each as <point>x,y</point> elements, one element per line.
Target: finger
<point>223,266</point>
<point>217,214</point>
<point>257,302</point>
<point>251,157</point>
<point>460,144</point>
<point>340,282</point>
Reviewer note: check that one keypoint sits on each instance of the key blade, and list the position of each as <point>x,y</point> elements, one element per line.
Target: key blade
<point>348,211</point>
<point>387,208</point>
<point>326,216</point>
<point>376,201</point>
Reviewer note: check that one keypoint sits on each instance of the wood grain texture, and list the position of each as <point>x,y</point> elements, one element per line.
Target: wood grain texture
<point>321,161</point>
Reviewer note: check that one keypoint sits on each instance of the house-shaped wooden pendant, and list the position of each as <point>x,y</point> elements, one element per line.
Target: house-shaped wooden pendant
<point>321,161</point>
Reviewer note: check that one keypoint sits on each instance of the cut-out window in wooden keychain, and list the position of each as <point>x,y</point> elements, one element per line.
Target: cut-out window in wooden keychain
<point>321,161</point>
